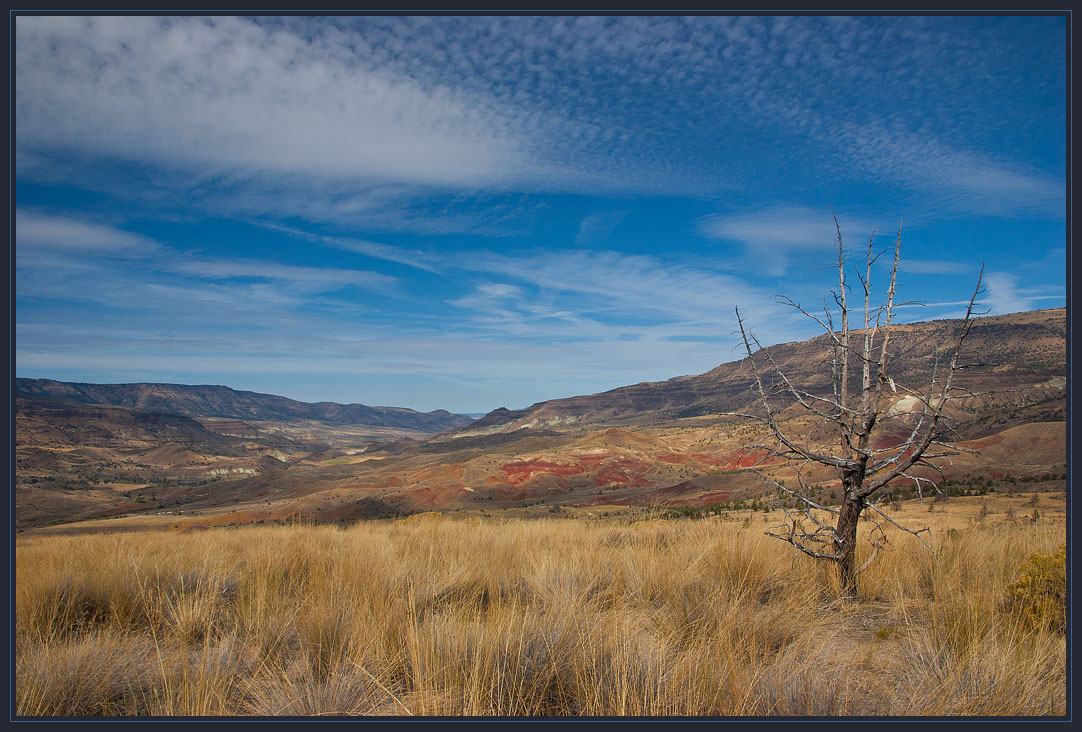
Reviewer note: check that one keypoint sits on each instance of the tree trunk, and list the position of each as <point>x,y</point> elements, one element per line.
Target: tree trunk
<point>846,543</point>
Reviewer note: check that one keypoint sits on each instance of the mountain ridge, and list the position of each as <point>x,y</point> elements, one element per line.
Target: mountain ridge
<point>667,443</point>
<point>1004,348</point>
<point>222,402</point>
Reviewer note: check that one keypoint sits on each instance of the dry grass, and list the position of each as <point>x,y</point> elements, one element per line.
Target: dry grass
<point>444,616</point>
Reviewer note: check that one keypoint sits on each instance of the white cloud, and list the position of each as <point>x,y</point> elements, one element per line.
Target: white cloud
<point>1002,294</point>
<point>311,116</point>
<point>932,267</point>
<point>964,180</point>
<point>227,94</point>
<point>431,125</point>
<point>38,231</point>
<point>319,277</point>
<point>499,290</point>
<point>554,315</point>
<point>608,296</point>
<point>596,226</point>
<point>387,252</point>
<point>770,235</point>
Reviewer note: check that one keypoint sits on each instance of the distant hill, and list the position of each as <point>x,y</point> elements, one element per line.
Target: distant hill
<point>41,421</point>
<point>250,458</point>
<point>1005,351</point>
<point>225,403</point>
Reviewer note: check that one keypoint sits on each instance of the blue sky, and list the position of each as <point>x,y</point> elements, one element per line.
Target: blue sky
<point>467,213</point>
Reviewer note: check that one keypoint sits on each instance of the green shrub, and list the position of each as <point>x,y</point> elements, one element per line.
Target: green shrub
<point>1040,594</point>
<point>885,632</point>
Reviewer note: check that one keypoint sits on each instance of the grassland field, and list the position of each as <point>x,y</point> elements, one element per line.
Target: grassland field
<point>601,613</point>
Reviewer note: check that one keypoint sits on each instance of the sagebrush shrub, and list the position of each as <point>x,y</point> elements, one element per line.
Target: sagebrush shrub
<point>1040,594</point>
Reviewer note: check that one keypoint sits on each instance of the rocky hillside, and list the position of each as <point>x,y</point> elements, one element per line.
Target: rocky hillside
<point>659,444</point>
<point>77,460</point>
<point>1021,350</point>
<point>221,402</point>
<point>51,422</point>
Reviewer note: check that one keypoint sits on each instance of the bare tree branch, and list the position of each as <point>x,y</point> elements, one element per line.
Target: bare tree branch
<point>845,432</point>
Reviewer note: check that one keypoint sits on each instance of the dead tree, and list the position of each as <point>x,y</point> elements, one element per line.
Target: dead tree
<point>846,415</point>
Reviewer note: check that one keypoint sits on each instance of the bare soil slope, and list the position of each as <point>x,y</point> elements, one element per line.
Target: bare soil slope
<point>660,444</point>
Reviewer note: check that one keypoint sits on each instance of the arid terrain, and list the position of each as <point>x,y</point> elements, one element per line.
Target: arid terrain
<point>230,458</point>
<point>602,555</point>
<point>94,450</point>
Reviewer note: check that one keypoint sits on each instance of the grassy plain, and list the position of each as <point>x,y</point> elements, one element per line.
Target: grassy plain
<point>561,615</point>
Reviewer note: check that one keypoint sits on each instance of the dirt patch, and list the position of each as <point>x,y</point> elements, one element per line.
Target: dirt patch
<point>625,472</point>
<point>746,459</point>
<point>518,472</point>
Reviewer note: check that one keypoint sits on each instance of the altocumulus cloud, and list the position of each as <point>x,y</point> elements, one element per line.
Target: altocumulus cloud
<point>227,93</point>
<point>668,105</point>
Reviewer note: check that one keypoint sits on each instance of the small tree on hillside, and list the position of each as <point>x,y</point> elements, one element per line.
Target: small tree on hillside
<point>847,415</point>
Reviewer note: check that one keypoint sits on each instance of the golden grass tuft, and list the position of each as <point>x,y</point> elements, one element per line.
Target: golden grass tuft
<point>453,616</point>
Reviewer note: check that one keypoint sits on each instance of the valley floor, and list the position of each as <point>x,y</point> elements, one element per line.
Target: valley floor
<point>614,614</point>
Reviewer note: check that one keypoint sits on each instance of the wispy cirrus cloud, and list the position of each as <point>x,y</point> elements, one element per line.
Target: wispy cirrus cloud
<point>387,252</point>
<point>963,180</point>
<point>39,231</point>
<point>71,260</point>
<point>596,226</point>
<point>452,190</point>
<point>500,342</point>
<point>933,267</point>
<point>769,236</point>
<point>1000,295</point>
<point>565,295</point>
<point>565,313</point>
<point>319,278</point>
<point>250,111</point>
